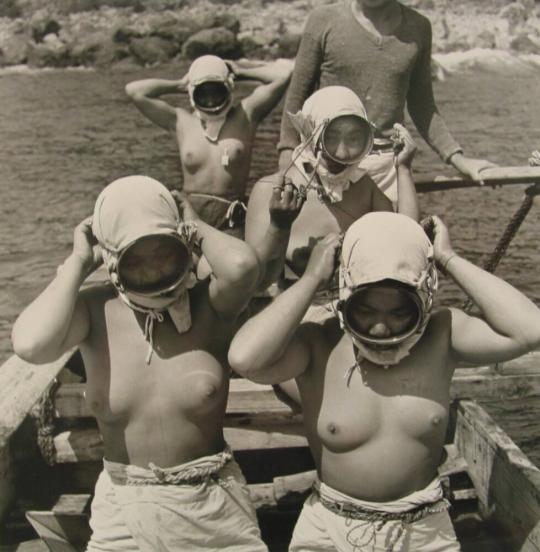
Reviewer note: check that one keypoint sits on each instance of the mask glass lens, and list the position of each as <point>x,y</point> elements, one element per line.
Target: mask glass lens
<point>382,314</point>
<point>154,264</point>
<point>211,96</point>
<point>347,139</point>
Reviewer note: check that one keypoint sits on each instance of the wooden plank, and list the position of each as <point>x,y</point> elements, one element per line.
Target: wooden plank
<point>245,397</point>
<point>86,445</point>
<point>496,176</point>
<point>22,384</point>
<point>506,481</point>
<point>519,378</point>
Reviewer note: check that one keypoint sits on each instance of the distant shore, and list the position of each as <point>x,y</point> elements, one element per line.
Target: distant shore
<point>109,33</point>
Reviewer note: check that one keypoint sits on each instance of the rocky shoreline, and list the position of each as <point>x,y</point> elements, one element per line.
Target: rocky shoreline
<point>108,33</point>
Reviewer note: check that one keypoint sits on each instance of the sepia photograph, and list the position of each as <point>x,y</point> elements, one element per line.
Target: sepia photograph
<point>270,276</point>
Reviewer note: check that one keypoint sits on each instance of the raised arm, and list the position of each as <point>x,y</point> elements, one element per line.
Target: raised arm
<point>270,347</point>
<point>274,78</point>
<point>58,319</point>
<point>233,263</point>
<point>510,323</point>
<point>145,95</point>
<point>304,81</point>
<point>273,206</point>
<point>407,199</point>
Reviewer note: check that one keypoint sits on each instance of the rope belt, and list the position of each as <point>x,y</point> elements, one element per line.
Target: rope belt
<point>236,206</point>
<point>380,518</point>
<point>193,473</point>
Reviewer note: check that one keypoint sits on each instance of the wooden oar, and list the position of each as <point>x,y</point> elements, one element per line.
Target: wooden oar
<point>496,176</point>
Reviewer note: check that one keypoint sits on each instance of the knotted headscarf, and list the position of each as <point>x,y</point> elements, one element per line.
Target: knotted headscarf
<point>207,69</point>
<point>388,246</point>
<point>317,112</point>
<point>127,210</point>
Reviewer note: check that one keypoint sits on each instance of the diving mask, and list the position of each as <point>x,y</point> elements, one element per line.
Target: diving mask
<point>211,96</point>
<point>346,139</point>
<point>170,260</point>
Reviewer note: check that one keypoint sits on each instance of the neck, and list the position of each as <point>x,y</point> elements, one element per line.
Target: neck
<point>376,13</point>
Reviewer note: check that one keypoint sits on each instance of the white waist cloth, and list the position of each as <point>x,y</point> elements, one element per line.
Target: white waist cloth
<point>137,509</point>
<point>320,529</point>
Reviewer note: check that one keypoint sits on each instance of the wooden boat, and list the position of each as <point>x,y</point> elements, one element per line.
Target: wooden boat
<point>50,449</point>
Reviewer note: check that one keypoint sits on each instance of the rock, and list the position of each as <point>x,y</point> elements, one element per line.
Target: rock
<point>253,45</point>
<point>152,49</point>
<point>14,50</point>
<point>288,44</point>
<point>123,34</point>
<point>485,39</point>
<point>52,52</point>
<point>10,8</point>
<point>524,44</point>
<point>516,14</point>
<point>88,48</point>
<point>43,23</point>
<point>219,41</point>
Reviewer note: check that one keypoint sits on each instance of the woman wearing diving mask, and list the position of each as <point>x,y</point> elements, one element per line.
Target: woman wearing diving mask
<point>154,342</point>
<point>335,135</point>
<point>216,138</point>
<point>374,380</point>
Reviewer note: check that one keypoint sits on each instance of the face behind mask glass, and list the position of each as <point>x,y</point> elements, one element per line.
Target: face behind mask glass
<point>346,139</point>
<point>382,316</point>
<point>211,96</point>
<point>154,265</point>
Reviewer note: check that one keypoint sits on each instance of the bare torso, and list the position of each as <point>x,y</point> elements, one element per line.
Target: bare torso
<point>167,412</point>
<point>379,437</point>
<point>219,168</point>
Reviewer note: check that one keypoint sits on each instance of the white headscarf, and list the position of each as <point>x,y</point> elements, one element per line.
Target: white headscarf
<point>131,208</point>
<point>206,69</point>
<point>381,246</point>
<point>318,110</point>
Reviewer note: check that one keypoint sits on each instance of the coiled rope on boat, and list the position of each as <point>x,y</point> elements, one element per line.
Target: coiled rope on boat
<point>43,414</point>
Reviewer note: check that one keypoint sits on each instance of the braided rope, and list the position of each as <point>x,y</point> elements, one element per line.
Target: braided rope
<point>43,414</point>
<point>507,236</point>
<point>380,518</point>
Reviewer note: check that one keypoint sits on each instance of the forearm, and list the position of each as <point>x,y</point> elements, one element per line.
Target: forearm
<point>225,254</point>
<point>505,309</point>
<point>152,88</point>
<point>41,329</point>
<point>266,74</point>
<point>271,251</point>
<point>407,198</point>
<point>262,340</point>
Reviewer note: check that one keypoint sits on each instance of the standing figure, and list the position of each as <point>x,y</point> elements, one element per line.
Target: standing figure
<point>381,50</point>
<point>374,380</point>
<point>216,139</point>
<point>154,342</point>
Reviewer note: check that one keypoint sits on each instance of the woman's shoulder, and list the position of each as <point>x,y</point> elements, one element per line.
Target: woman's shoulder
<point>415,20</point>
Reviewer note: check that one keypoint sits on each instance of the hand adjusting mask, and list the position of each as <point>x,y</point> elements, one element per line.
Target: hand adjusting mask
<point>147,250</point>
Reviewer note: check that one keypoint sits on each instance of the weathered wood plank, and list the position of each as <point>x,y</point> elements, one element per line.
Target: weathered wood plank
<point>507,483</point>
<point>22,384</point>
<point>519,378</point>
<point>496,176</point>
<point>86,445</point>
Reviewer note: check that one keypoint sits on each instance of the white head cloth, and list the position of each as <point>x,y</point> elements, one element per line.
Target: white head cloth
<point>131,208</point>
<point>381,246</point>
<point>206,69</point>
<point>318,110</point>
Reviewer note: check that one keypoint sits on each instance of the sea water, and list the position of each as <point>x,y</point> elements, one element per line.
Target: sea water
<point>65,134</point>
